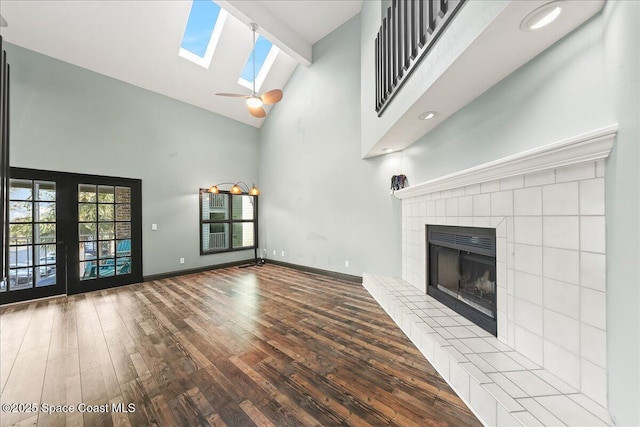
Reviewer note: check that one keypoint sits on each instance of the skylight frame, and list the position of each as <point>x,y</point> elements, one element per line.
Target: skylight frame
<point>205,61</point>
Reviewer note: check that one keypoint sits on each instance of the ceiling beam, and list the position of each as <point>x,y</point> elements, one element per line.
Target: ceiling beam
<point>270,26</point>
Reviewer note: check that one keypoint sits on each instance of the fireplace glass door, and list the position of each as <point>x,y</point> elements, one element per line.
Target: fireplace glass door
<point>468,277</point>
<point>461,265</point>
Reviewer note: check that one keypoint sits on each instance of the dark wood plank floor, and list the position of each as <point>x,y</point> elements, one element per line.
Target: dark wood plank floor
<point>264,346</point>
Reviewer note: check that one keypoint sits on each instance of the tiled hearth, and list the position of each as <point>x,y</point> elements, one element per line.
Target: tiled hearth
<point>500,385</point>
<point>547,205</point>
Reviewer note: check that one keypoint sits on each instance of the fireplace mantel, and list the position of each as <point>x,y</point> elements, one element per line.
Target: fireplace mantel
<point>590,146</point>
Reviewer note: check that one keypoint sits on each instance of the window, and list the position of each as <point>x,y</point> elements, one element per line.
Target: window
<point>265,55</point>
<point>227,222</point>
<point>202,32</point>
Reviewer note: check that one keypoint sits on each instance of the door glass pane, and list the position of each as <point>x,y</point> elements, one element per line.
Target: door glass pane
<point>105,230</point>
<point>105,212</point>
<point>45,233</point>
<point>123,212</point>
<point>44,212</point>
<point>242,234</point>
<point>88,270</point>
<point>215,237</point>
<point>123,248</point>
<point>86,193</point>
<point>20,234</point>
<point>21,189</point>
<point>87,251</point>
<point>107,249</point>
<point>45,191</point>
<point>45,272</point>
<point>87,231</point>
<point>106,268</point>
<point>123,195</point>
<point>46,254</point>
<point>123,266</point>
<point>20,278</point>
<point>46,280</point>
<point>123,230</point>
<point>106,194</point>
<point>87,212</point>
<point>242,207</point>
<point>20,211</point>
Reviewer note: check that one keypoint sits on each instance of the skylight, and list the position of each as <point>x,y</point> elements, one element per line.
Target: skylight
<point>202,33</point>
<point>265,55</point>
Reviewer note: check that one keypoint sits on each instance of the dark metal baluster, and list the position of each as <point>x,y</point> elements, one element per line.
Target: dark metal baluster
<point>444,8</point>
<point>406,37</point>
<point>432,17</point>
<point>394,43</point>
<point>422,23</point>
<point>385,88</point>
<point>388,57</point>
<point>377,61</point>
<point>415,28</point>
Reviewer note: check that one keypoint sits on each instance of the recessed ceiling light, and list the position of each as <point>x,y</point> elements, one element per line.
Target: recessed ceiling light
<point>542,16</point>
<point>387,150</point>
<point>3,22</point>
<point>427,116</point>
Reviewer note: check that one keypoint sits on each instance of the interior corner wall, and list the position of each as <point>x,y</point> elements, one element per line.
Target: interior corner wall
<point>321,205</point>
<point>621,36</point>
<point>586,81</point>
<point>69,119</point>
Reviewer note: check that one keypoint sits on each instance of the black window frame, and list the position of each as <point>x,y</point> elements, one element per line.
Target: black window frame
<point>230,221</point>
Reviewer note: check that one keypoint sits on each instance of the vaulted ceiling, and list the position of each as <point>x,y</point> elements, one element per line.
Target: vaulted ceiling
<point>138,42</point>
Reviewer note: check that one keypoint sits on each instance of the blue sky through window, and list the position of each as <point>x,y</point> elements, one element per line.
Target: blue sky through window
<point>202,20</point>
<point>263,46</point>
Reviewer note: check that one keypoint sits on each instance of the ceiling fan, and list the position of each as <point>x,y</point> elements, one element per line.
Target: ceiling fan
<point>255,102</point>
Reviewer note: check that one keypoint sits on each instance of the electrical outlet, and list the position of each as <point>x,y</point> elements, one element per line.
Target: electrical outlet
<point>154,227</point>
<point>181,260</point>
<point>346,263</point>
<point>274,251</point>
<point>282,253</point>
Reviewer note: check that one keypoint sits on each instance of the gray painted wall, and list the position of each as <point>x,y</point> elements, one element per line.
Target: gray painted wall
<point>586,81</point>
<point>70,119</point>
<point>321,204</point>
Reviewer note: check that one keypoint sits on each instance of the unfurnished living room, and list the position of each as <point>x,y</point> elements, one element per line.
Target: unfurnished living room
<point>320,212</point>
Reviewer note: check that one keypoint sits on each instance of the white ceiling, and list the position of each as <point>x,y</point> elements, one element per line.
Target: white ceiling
<point>138,42</point>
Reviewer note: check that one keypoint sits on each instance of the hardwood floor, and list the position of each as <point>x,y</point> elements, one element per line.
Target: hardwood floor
<point>264,346</point>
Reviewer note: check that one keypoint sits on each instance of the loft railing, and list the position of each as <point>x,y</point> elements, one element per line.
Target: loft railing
<point>409,30</point>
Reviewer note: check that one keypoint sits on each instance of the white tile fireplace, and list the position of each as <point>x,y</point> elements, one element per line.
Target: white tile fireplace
<point>547,207</point>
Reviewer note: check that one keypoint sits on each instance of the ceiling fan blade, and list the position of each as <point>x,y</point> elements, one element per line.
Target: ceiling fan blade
<point>257,112</point>
<point>272,96</point>
<point>233,95</point>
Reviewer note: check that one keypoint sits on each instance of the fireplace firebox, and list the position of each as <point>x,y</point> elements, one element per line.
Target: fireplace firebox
<point>462,272</point>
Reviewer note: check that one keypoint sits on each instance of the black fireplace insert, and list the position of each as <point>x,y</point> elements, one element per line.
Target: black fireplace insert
<point>462,271</point>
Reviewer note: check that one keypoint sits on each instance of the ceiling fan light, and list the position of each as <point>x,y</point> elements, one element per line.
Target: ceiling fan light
<point>254,102</point>
<point>235,189</point>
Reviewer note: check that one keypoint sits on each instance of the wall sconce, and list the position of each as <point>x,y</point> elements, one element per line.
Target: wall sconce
<point>237,188</point>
